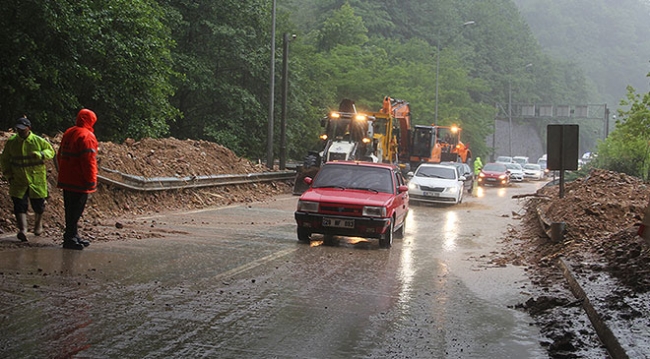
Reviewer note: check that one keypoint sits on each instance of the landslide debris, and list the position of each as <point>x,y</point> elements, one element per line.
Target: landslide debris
<point>149,158</point>
<point>602,213</point>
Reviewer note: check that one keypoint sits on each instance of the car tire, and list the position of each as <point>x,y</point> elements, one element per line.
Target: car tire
<point>460,198</point>
<point>401,231</point>
<point>328,240</point>
<point>303,235</point>
<point>386,239</point>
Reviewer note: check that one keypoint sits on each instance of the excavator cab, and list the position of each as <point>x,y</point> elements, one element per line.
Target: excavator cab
<point>435,144</point>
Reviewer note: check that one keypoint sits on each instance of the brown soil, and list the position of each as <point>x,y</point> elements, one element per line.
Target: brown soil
<point>149,158</point>
<point>602,212</point>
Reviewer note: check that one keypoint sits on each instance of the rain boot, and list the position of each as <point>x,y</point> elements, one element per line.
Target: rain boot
<point>38,224</point>
<point>21,219</point>
<point>72,243</point>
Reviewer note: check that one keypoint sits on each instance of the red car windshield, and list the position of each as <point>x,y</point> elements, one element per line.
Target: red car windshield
<point>355,177</point>
<point>494,167</point>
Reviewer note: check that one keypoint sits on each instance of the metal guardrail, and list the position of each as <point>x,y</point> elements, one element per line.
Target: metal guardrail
<point>139,183</point>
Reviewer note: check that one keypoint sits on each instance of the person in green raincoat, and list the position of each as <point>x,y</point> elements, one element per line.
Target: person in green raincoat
<point>477,165</point>
<point>23,166</point>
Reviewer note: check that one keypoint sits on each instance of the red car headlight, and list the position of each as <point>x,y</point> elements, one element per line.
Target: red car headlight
<point>307,206</point>
<point>373,211</point>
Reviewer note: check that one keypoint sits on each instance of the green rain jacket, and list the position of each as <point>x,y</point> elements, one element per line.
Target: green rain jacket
<point>23,165</point>
<point>477,165</point>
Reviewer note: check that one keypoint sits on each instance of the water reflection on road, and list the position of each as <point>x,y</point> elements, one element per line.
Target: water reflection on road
<point>450,230</point>
<point>235,283</point>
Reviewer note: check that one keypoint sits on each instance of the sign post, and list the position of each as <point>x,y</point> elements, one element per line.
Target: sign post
<point>562,150</point>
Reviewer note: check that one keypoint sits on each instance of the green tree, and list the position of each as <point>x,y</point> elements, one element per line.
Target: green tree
<point>223,58</point>
<point>342,28</point>
<point>627,149</point>
<point>112,56</point>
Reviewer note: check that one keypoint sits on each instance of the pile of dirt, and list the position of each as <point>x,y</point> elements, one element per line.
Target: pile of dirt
<point>602,212</point>
<point>148,158</point>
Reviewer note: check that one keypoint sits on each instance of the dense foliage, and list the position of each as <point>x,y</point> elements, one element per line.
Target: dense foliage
<point>200,69</point>
<point>627,149</point>
<point>113,56</point>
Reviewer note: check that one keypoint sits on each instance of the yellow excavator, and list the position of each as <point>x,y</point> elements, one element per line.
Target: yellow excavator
<point>392,130</point>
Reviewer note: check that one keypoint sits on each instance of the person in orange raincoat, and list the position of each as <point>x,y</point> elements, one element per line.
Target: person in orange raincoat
<point>77,162</point>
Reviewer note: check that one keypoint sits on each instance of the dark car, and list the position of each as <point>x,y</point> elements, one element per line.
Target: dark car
<point>494,173</point>
<point>360,199</point>
<point>463,170</point>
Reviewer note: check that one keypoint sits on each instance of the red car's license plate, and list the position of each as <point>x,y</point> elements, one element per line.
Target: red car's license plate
<point>339,223</point>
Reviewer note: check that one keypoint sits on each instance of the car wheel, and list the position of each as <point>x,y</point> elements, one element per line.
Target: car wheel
<point>460,198</point>
<point>386,239</point>
<point>303,235</point>
<point>401,231</point>
<point>328,240</point>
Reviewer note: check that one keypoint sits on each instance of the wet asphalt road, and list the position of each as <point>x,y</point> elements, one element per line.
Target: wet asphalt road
<point>235,283</point>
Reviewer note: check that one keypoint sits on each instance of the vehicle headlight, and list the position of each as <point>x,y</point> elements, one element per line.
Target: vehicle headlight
<point>503,177</point>
<point>307,206</point>
<point>451,190</point>
<point>373,211</point>
<point>414,186</point>
<point>481,174</point>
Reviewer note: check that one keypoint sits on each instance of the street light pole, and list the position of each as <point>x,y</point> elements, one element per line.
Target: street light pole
<point>285,91</point>
<point>269,133</point>
<point>510,110</point>
<point>509,116</point>
<point>435,115</point>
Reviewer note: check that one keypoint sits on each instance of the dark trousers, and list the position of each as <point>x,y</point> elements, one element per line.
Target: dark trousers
<point>21,204</point>
<point>74,203</point>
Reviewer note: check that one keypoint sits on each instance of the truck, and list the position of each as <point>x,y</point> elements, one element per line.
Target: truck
<point>435,144</point>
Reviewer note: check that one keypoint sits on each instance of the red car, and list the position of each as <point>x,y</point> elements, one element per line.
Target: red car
<point>494,173</point>
<point>356,199</point>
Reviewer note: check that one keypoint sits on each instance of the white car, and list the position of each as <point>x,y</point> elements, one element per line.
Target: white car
<point>434,183</point>
<point>533,171</point>
<point>504,159</point>
<point>522,160</point>
<point>516,171</point>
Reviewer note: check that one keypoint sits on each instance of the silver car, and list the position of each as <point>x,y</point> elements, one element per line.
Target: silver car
<point>516,171</point>
<point>533,171</point>
<point>435,183</point>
